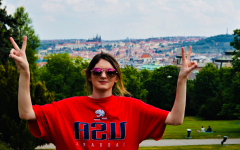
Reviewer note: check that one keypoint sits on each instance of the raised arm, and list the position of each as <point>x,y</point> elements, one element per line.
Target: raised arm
<point>176,116</point>
<point>24,99</point>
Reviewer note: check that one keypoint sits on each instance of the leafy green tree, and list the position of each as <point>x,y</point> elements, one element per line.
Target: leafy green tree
<point>207,84</point>
<point>133,83</point>
<point>162,87</point>
<point>8,28</point>
<point>212,108</point>
<point>25,28</point>
<point>63,75</point>
<point>231,106</point>
<point>231,83</point>
<point>14,130</point>
<point>145,75</point>
<point>236,44</point>
<point>191,106</point>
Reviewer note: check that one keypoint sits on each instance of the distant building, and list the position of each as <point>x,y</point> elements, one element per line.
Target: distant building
<point>96,39</point>
<point>146,57</point>
<point>224,60</point>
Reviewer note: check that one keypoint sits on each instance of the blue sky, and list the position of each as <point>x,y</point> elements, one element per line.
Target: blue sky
<point>118,19</point>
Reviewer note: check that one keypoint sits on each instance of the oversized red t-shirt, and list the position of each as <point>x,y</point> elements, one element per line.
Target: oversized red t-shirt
<point>113,122</point>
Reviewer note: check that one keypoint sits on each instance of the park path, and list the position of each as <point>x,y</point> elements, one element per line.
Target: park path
<point>172,142</point>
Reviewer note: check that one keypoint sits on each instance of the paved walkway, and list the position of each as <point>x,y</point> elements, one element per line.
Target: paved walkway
<point>172,142</point>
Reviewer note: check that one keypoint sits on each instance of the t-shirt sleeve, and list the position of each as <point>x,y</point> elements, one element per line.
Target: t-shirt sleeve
<point>43,126</point>
<point>151,121</point>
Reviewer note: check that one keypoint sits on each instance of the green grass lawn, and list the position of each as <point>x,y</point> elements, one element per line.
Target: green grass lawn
<point>195,147</point>
<point>221,128</point>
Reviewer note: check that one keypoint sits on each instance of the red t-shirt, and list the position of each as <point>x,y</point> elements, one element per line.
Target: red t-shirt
<point>113,122</point>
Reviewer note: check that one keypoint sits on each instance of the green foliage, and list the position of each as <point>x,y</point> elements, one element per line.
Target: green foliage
<point>63,75</point>
<point>212,108</point>
<point>14,130</point>
<point>236,44</point>
<point>191,106</point>
<point>208,92</point>
<point>133,83</point>
<point>162,87</point>
<point>4,146</point>
<point>207,84</point>
<point>8,28</point>
<point>231,98</point>
<point>231,83</point>
<point>25,28</point>
<point>145,75</point>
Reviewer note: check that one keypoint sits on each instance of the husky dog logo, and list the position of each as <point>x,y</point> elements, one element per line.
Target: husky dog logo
<point>100,115</point>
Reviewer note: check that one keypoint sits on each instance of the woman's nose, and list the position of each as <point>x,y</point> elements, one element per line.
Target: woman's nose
<point>104,75</point>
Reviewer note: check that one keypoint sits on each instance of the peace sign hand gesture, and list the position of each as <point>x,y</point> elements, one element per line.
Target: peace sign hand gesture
<point>187,65</point>
<point>19,55</point>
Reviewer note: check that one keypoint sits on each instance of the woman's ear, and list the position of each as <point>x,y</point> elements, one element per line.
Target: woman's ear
<point>116,79</point>
<point>90,79</point>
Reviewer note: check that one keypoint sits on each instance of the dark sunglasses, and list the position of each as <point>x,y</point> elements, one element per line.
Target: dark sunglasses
<point>110,72</point>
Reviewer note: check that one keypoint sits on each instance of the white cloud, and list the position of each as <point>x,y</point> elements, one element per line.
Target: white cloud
<point>112,1</point>
<point>195,7</point>
<point>48,18</point>
<point>72,2</point>
<point>52,7</point>
<point>9,7</point>
<point>56,0</point>
<point>110,8</point>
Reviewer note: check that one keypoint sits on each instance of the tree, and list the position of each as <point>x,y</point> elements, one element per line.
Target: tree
<point>212,108</point>
<point>162,87</point>
<point>14,130</point>
<point>191,105</point>
<point>231,107</point>
<point>63,75</point>
<point>8,28</point>
<point>133,83</point>
<point>145,75</point>
<point>25,28</point>
<point>207,84</point>
<point>236,44</point>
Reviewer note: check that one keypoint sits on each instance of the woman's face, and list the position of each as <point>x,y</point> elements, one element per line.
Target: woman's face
<point>103,83</point>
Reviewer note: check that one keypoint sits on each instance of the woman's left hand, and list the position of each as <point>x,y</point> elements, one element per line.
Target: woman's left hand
<point>187,65</point>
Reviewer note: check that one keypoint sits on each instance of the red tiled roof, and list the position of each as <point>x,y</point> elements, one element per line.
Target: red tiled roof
<point>146,56</point>
<point>41,64</point>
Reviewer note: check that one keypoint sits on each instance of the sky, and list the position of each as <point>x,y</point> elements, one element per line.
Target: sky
<point>134,19</point>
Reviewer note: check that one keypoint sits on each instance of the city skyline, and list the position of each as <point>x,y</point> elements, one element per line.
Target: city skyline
<point>115,20</point>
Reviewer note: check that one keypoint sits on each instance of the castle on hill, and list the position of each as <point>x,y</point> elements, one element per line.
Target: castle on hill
<point>96,39</point>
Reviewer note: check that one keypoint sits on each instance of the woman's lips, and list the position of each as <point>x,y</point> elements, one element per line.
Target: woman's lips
<point>103,82</point>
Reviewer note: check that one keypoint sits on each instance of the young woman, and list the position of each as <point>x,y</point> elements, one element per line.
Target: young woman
<point>101,120</point>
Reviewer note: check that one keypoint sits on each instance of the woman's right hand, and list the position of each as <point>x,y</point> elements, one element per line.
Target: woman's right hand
<point>19,55</point>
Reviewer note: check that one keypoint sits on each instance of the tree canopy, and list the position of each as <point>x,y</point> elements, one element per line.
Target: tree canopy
<point>63,75</point>
<point>8,28</point>
<point>25,28</point>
